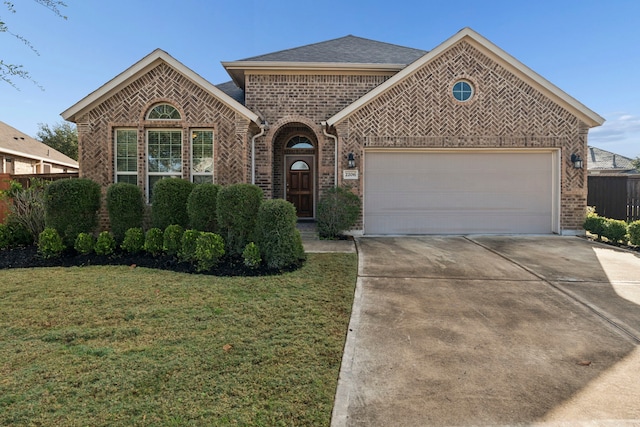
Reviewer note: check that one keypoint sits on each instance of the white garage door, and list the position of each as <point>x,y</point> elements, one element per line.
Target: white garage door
<point>422,192</point>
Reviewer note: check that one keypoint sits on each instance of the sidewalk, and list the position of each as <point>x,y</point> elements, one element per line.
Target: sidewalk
<point>313,244</point>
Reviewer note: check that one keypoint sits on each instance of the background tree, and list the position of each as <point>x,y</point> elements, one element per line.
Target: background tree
<point>636,163</point>
<point>61,136</point>
<point>8,70</point>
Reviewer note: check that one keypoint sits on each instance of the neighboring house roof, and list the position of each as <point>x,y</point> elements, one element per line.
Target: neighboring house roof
<point>349,53</point>
<point>16,143</point>
<point>141,67</point>
<point>588,116</point>
<point>606,161</point>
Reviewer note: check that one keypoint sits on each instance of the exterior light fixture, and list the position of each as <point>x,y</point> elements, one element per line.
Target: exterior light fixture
<point>351,161</point>
<point>577,161</point>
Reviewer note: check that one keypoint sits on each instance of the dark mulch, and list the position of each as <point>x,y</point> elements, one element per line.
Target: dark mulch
<point>28,257</point>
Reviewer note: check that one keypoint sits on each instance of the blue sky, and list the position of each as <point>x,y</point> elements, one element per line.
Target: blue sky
<point>588,48</point>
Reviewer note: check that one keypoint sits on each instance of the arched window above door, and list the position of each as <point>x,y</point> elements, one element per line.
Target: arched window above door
<point>300,166</point>
<point>300,142</point>
<point>163,112</point>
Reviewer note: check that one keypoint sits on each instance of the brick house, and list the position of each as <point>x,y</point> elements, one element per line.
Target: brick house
<point>461,139</point>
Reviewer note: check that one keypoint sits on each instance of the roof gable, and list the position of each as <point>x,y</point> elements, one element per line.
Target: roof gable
<point>588,116</point>
<point>17,143</point>
<point>139,68</point>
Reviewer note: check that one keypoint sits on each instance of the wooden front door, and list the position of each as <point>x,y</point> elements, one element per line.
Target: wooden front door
<point>300,184</point>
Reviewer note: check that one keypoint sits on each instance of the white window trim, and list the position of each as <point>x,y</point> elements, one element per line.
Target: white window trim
<point>213,153</point>
<point>167,174</point>
<point>115,154</point>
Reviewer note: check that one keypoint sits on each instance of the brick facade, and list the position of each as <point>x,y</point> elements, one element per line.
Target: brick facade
<point>417,111</point>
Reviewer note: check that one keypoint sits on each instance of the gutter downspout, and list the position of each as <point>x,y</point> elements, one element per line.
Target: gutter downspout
<point>263,128</point>
<point>335,152</point>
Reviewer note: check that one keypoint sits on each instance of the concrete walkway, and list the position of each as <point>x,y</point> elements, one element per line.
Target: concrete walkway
<point>456,331</point>
<point>313,244</point>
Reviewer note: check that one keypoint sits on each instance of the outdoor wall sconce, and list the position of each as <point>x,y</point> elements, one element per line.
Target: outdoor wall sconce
<point>577,161</point>
<point>351,161</point>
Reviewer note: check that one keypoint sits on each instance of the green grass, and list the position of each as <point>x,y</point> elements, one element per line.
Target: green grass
<point>120,346</point>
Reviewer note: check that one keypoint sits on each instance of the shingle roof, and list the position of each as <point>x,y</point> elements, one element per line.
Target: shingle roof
<point>348,49</point>
<point>17,143</point>
<point>606,160</point>
<point>232,90</point>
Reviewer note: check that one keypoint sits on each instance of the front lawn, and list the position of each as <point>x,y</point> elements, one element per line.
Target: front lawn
<point>109,345</point>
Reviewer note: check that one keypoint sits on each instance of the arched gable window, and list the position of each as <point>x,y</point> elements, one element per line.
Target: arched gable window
<point>163,112</point>
<point>299,142</point>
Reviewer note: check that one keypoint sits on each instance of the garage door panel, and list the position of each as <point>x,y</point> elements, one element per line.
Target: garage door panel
<point>458,193</point>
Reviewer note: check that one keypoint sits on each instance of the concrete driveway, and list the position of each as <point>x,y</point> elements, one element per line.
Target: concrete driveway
<point>459,331</point>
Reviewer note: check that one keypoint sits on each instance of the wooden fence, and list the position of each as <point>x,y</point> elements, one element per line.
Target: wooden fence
<point>616,197</point>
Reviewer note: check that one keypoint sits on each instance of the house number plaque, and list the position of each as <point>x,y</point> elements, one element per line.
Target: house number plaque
<point>350,174</point>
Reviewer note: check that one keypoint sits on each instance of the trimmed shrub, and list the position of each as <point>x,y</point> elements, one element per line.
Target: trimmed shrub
<point>153,241</point>
<point>201,207</point>
<point>84,243</point>
<point>172,239</point>
<point>133,240</point>
<point>615,230</point>
<point>594,224</point>
<point>19,234</point>
<point>338,211</point>
<point>209,250</point>
<point>634,233</point>
<point>276,234</point>
<point>126,208</point>
<point>50,243</point>
<point>237,207</point>
<point>105,244</point>
<point>251,255</point>
<point>169,203</point>
<point>188,245</point>
<point>5,236</point>
<point>71,207</point>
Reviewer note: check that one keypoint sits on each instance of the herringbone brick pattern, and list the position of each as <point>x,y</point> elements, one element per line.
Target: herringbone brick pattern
<point>128,107</point>
<point>505,112</point>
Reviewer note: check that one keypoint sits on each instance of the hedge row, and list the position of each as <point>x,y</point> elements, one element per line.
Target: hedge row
<point>614,230</point>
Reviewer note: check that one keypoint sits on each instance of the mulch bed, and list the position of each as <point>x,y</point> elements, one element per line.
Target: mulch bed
<point>28,257</point>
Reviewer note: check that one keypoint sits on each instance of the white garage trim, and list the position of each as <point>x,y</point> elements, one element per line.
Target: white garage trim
<point>461,191</point>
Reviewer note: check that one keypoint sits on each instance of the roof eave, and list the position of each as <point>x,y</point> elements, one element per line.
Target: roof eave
<point>140,68</point>
<point>237,69</point>
<point>39,158</point>
<point>588,116</point>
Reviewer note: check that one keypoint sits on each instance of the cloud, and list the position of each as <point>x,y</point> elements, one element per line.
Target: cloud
<point>619,134</point>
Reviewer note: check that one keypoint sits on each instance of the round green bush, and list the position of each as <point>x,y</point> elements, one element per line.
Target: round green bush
<point>172,239</point>
<point>153,241</point>
<point>169,203</point>
<point>84,243</point>
<point>251,255</point>
<point>209,250</point>
<point>594,224</point>
<point>276,234</point>
<point>201,207</point>
<point>634,233</point>
<point>50,243</point>
<point>337,211</point>
<point>188,245</point>
<point>105,244</point>
<point>71,207</point>
<point>125,205</point>
<point>237,206</point>
<point>615,230</point>
<point>133,241</point>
